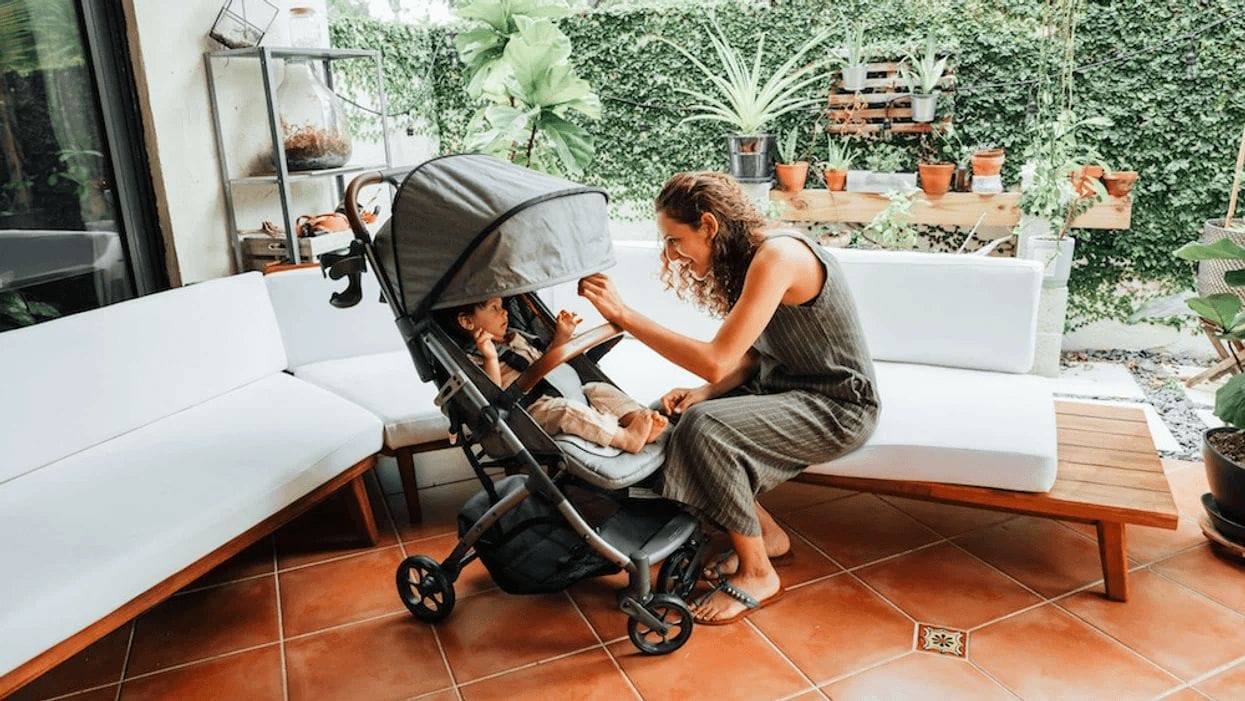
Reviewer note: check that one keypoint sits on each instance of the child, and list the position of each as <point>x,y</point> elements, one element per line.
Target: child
<point>613,419</point>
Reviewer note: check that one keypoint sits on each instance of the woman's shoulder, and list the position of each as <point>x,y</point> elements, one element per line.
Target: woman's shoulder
<point>785,247</point>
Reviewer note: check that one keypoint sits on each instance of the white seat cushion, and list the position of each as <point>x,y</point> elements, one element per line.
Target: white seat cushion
<point>387,385</point>
<point>83,535</point>
<point>986,429</point>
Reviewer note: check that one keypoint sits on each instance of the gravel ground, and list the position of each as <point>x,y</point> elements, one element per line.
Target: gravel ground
<point>1156,374</point>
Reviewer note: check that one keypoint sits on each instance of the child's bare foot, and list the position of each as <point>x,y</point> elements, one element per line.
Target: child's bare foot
<point>632,438</point>
<point>660,422</point>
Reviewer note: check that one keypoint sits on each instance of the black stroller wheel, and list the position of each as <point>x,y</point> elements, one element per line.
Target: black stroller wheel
<point>678,573</point>
<point>674,614</point>
<point>424,588</point>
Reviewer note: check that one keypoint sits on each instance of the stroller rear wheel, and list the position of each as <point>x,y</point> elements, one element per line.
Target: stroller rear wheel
<point>672,613</point>
<point>678,573</point>
<point>424,588</point>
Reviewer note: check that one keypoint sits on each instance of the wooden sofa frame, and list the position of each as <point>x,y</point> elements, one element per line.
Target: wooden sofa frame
<point>351,482</point>
<point>1110,475</point>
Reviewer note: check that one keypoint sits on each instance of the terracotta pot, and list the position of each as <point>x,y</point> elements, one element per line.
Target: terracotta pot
<point>836,180</point>
<point>988,162</point>
<point>1120,183</point>
<point>936,177</point>
<point>791,176</point>
<point>1082,180</point>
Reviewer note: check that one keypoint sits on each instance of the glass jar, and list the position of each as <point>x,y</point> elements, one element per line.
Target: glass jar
<point>313,124</point>
<point>307,29</point>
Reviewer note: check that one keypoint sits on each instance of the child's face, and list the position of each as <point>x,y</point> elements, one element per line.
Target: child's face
<point>491,317</point>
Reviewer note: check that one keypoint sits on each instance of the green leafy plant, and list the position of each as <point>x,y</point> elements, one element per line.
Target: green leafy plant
<point>854,44</point>
<point>518,64</point>
<point>1058,154</point>
<point>886,158</point>
<point>17,311</point>
<point>926,71</point>
<point>839,155</point>
<point>787,146</point>
<point>745,99</point>
<point>892,227</point>
<point>1223,311</point>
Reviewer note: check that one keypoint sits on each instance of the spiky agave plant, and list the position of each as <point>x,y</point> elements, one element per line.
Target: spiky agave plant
<point>746,99</point>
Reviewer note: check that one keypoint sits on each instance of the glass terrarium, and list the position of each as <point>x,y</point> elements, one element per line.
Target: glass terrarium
<point>313,124</point>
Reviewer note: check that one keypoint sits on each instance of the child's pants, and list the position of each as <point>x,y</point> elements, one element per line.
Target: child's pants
<point>597,423</point>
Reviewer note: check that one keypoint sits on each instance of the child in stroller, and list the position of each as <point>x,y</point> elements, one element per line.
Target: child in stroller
<point>609,418</point>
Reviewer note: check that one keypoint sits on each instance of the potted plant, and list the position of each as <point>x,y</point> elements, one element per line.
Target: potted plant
<point>922,80</point>
<point>747,100</point>
<point>1223,448</point>
<point>838,161</point>
<point>883,171</point>
<point>791,172</point>
<point>855,70</point>
<point>1119,182</point>
<point>892,228</point>
<point>935,174</point>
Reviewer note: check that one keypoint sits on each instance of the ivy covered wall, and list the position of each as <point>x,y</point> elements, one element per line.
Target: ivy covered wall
<point>1175,122</point>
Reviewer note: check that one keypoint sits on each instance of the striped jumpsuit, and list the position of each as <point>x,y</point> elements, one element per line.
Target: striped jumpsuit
<point>813,399</point>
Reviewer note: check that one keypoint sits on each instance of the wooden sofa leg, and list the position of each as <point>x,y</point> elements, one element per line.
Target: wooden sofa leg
<point>361,511</point>
<point>1113,552</point>
<point>410,488</point>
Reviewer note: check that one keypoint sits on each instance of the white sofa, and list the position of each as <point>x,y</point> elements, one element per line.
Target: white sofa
<point>143,443</point>
<point>952,338</point>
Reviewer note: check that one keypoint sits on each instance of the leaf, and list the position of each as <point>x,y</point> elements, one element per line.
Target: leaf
<point>476,46</point>
<point>494,13</point>
<point>1230,401</point>
<point>1223,249</point>
<point>572,144</point>
<point>1218,309</point>
<point>1234,278</point>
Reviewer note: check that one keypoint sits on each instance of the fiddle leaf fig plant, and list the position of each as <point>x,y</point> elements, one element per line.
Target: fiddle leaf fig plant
<point>519,66</point>
<point>1223,312</point>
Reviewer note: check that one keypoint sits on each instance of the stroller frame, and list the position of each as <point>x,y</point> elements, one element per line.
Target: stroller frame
<point>659,619</point>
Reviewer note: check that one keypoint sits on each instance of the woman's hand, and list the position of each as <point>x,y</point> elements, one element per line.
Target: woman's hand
<point>565,327</point>
<point>484,343</point>
<point>680,399</point>
<point>600,290</point>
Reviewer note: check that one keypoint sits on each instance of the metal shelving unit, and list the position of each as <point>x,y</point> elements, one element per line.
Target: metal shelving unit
<point>267,57</point>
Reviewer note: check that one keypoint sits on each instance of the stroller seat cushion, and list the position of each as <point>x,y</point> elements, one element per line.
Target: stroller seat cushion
<point>610,468</point>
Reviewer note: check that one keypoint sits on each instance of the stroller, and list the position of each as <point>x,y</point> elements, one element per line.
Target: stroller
<point>466,228</point>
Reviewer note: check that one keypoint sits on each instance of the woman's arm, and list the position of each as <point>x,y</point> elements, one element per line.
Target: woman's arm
<point>769,277</point>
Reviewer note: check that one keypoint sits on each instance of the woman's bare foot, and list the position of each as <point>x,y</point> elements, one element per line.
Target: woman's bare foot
<point>633,437</point>
<point>720,606</point>
<point>660,423</point>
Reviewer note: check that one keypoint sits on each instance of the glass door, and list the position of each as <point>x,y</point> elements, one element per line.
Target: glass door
<point>65,239</point>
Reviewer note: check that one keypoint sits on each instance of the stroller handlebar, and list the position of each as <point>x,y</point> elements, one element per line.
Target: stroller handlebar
<point>555,356</point>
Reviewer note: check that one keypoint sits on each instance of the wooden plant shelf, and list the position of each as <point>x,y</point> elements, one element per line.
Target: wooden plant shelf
<point>951,209</point>
<point>883,105</point>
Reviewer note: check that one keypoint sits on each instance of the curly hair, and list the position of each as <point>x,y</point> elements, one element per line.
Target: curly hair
<point>685,198</point>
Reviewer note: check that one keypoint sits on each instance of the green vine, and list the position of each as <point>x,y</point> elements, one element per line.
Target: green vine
<point>1175,124</point>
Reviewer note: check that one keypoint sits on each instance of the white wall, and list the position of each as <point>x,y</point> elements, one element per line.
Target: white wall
<point>167,42</point>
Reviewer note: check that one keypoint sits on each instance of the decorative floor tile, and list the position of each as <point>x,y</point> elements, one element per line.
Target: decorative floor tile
<point>918,677</point>
<point>944,641</point>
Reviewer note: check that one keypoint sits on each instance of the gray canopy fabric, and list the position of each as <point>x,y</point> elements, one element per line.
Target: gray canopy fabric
<point>468,227</point>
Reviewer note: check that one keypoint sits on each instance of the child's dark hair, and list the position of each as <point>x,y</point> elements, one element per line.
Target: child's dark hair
<point>448,319</point>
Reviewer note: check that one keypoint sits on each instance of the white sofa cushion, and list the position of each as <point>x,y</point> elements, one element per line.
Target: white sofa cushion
<point>387,385</point>
<point>86,534</point>
<point>314,330</point>
<point>956,426</point>
<point>74,382</point>
<point>941,309</point>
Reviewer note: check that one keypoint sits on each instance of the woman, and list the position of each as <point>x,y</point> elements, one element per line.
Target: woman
<point>790,382</point>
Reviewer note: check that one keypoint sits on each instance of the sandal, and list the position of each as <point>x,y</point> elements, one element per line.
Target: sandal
<point>750,603</point>
<point>714,573</point>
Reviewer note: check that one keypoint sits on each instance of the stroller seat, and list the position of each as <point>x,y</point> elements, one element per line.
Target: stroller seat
<point>601,466</point>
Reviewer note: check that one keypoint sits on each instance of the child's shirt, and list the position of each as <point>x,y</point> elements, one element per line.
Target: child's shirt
<point>516,343</point>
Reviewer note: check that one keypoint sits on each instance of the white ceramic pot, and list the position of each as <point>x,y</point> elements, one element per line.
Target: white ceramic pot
<point>987,184</point>
<point>1055,255</point>
<point>854,77</point>
<point>924,107</point>
<point>873,181</point>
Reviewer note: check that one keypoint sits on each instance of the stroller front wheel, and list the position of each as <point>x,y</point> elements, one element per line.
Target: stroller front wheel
<point>424,588</point>
<point>672,613</point>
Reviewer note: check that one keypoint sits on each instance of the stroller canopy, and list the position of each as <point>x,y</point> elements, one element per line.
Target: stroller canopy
<point>468,227</point>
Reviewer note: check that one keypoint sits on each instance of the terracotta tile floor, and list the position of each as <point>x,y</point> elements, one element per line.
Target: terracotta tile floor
<point>1013,603</point>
